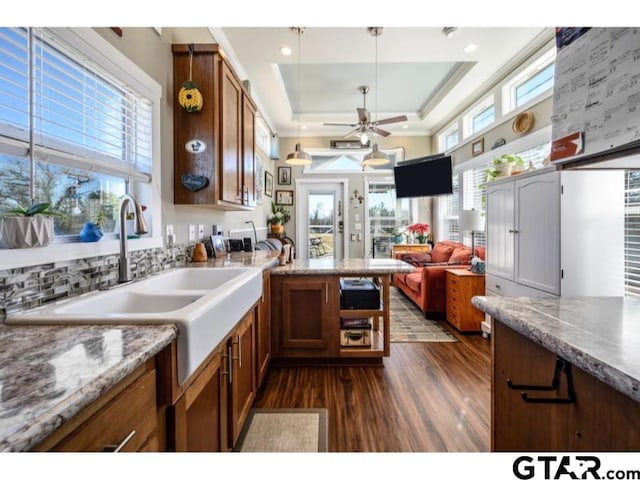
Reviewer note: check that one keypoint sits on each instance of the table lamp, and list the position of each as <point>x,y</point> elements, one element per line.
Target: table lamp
<point>472,221</point>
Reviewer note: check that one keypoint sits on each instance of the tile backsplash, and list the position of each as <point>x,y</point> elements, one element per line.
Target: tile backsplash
<point>28,287</point>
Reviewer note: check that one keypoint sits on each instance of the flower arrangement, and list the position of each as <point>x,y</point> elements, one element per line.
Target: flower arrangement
<point>420,230</point>
<point>278,216</point>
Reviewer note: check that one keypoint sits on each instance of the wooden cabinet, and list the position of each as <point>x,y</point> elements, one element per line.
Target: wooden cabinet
<point>601,419</point>
<point>461,286</point>
<point>400,248</point>
<point>225,127</point>
<point>523,231</point>
<point>263,329</point>
<point>243,374</point>
<point>209,411</point>
<point>123,419</point>
<point>305,316</point>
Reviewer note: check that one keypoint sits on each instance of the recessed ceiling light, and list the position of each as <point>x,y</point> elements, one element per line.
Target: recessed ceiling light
<point>303,127</point>
<point>472,47</point>
<point>286,51</point>
<point>405,126</point>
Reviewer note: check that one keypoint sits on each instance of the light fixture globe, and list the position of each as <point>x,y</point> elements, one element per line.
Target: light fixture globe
<point>299,157</point>
<point>375,158</point>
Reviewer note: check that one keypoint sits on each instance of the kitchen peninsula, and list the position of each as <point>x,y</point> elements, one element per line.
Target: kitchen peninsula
<point>306,311</point>
<point>565,373</point>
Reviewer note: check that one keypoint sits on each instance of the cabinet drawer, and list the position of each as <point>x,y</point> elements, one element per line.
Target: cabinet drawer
<point>133,410</point>
<point>503,287</point>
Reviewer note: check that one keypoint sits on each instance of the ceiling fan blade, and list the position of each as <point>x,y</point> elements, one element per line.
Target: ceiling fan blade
<point>352,132</point>
<point>363,115</point>
<point>341,124</point>
<point>379,131</point>
<point>401,118</point>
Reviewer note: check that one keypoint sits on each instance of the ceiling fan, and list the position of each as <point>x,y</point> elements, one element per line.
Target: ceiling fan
<point>365,126</point>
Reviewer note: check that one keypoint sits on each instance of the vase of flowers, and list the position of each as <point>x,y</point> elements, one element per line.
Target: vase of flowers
<point>420,230</point>
<point>397,236</point>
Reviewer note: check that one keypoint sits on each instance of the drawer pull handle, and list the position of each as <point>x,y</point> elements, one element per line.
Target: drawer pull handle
<point>121,445</point>
<point>498,286</point>
<point>562,366</point>
<point>239,357</point>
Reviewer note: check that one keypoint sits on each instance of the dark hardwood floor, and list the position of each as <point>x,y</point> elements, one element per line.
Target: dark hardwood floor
<point>428,397</point>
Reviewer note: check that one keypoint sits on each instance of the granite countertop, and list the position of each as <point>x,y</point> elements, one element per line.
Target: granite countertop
<point>349,266</point>
<point>600,335</point>
<point>50,373</point>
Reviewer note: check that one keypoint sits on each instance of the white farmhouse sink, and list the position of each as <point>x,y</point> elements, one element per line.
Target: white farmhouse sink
<point>205,304</point>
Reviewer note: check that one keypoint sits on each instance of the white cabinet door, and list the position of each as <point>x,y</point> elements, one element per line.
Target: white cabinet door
<point>500,227</point>
<point>537,232</point>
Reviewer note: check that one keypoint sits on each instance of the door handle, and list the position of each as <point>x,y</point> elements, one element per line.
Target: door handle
<point>121,445</point>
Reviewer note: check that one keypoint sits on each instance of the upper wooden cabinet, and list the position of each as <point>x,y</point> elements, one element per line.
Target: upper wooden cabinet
<point>224,129</point>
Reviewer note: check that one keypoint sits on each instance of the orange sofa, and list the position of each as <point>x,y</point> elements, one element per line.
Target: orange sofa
<point>426,285</point>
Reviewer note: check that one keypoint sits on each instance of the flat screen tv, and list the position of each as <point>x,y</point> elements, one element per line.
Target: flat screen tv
<point>423,177</point>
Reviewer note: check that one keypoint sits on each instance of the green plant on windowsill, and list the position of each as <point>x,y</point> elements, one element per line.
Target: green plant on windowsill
<point>503,166</point>
<point>24,227</point>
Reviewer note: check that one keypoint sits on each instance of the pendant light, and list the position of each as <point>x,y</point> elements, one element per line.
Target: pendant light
<point>299,156</point>
<point>375,157</point>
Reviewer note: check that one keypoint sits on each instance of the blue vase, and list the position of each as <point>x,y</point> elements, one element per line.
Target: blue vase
<point>90,232</point>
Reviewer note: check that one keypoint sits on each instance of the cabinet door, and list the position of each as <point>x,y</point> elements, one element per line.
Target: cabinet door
<point>500,228</point>
<point>200,416</point>
<point>538,232</point>
<point>248,152</point>
<point>263,329</point>
<point>230,132</point>
<point>243,383</point>
<point>309,317</point>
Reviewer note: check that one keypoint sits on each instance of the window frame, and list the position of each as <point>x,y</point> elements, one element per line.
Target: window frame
<point>92,45</point>
<point>447,132</point>
<point>478,108</point>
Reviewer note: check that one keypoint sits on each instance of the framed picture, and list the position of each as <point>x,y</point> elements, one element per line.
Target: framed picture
<point>477,147</point>
<point>217,246</point>
<point>268,184</point>
<point>284,197</point>
<point>284,175</point>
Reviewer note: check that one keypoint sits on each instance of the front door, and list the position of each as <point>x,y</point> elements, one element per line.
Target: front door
<point>320,221</point>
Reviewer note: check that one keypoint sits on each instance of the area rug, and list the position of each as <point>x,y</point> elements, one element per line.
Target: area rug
<point>285,430</point>
<point>408,323</point>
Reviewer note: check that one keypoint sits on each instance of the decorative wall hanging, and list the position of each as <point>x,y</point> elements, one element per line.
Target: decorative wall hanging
<point>194,182</point>
<point>195,146</point>
<point>189,97</point>
<point>523,123</point>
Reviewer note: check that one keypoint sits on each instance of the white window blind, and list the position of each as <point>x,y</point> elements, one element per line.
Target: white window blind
<point>473,180</point>
<point>535,155</point>
<point>448,213</point>
<point>632,233</point>
<point>80,116</point>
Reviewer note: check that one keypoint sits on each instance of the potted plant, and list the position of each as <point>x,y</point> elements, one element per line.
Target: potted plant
<point>420,230</point>
<point>28,227</point>
<point>397,235</point>
<point>504,166</point>
<point>277,218</point>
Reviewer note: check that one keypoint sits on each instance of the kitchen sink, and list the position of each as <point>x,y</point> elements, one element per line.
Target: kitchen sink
<point>205,304</point>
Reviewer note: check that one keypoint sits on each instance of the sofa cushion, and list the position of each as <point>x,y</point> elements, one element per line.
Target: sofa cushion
<point>481,252</point>
<point>416,259</point>
<point>413,281</point>
<point>441,252</point>
<point>461,254</point>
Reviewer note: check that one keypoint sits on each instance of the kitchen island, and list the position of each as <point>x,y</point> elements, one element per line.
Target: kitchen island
<point>307,312</point>
<point>591,346</point>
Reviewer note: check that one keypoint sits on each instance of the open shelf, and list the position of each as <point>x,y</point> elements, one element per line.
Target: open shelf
<point>375,350</point>
<point>351,313</point>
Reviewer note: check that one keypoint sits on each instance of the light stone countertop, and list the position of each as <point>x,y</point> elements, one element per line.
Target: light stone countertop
<point>600,335</point>
<point>265,259</point>
<point>349,266</point>
<point>50,373</point>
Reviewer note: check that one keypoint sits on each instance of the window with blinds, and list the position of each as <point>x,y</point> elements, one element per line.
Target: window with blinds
<point>632,233</point>
<point>448,208</point>
<point>71,134</point>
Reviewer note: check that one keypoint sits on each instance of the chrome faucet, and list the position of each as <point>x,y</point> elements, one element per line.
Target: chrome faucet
<point>141,228</point>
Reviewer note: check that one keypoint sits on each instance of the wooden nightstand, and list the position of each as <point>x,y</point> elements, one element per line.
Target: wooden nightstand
<point>461,286</point>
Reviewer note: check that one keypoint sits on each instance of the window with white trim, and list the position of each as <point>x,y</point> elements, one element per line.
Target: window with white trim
<point>530,83</point>
<point>449,138</point>
<point>473,180</point>
<point>71,133</point>
<point>448,208</point>
<point>479,117</point>
<point>263,135</point>
<point>632,233</point>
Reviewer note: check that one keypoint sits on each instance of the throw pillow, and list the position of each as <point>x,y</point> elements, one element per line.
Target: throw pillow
<point>461,254</point>
<point>481,252</point>
<point>441,252</point>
